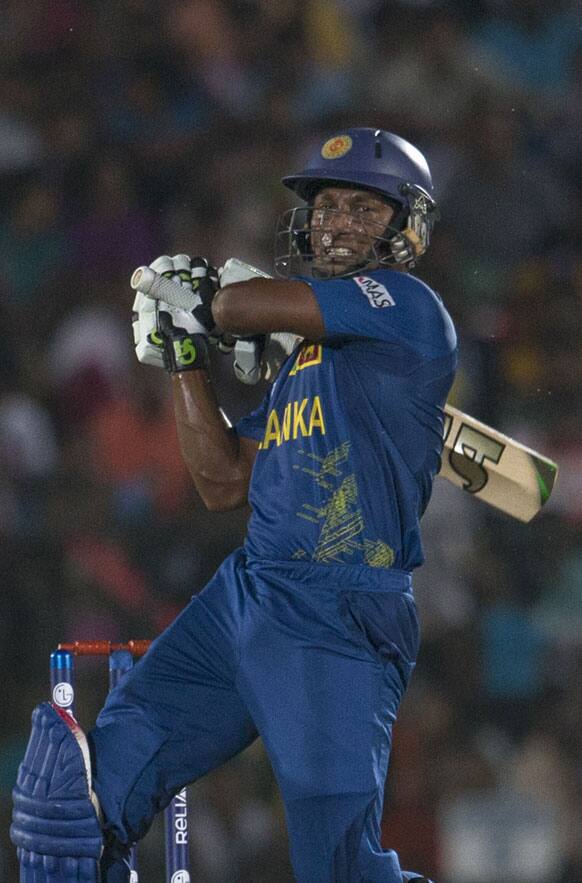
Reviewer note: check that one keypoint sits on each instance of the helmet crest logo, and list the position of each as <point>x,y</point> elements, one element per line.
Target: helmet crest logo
<point>336,147</point>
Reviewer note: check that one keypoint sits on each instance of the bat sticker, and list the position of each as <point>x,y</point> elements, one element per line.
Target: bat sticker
<point>468,454</point>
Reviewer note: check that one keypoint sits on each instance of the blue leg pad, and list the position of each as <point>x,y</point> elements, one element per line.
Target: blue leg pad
<point>54,823</point>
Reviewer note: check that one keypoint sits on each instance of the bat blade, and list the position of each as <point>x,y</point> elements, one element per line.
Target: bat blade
<point>494,467</point>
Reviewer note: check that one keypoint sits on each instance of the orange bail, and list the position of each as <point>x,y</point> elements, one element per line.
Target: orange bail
<point>104,648</point>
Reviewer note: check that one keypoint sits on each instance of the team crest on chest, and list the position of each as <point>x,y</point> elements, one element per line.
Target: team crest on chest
<point>309,354</point>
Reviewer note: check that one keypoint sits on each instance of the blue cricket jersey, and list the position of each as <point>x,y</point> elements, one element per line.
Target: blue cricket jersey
<point>350,434</point>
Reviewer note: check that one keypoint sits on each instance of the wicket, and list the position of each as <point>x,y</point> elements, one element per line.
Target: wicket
<point>121,656</point>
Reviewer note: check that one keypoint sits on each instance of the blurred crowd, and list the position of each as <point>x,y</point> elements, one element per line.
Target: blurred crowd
<point>133,128</point>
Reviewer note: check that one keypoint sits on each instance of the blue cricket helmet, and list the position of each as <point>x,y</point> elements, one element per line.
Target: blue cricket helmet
<point>375,160</point>
<point>370,158</point>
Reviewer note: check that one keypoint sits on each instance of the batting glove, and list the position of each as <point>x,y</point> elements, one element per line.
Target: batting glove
<point>149,345</point>
<point>199,278</point>
<point>183,350</point>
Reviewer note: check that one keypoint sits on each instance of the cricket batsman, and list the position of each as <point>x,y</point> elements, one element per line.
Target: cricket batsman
<point>307,635</point>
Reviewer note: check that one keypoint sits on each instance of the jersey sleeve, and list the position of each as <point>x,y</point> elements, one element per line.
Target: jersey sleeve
<point>385,305</point>
<point>253,424</point>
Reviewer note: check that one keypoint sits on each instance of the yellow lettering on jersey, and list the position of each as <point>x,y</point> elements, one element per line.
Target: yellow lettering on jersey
<point>273,430</point>
<point>298,410</point>
<point>309,354</point>
<point>299,420</point>
<point>316,417</point>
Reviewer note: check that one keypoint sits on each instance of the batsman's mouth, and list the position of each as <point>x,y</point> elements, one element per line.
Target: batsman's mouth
<point>339,252</point>
<point>344,251</point>
<point>342,248</point>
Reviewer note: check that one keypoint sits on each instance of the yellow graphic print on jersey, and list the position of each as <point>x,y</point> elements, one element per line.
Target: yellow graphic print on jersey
<point>342,523</point>
<point>378,554</point>
<point>341,518</point>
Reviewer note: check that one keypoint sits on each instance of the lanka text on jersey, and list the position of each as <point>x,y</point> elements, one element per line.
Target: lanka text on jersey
<point>298,420</point>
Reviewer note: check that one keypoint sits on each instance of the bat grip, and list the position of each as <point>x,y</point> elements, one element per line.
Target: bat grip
<point>153,285</point>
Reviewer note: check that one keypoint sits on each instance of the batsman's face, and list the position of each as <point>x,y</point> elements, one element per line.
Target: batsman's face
<point>345,224</point>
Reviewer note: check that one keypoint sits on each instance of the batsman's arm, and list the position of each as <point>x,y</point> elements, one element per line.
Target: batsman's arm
<point>174,334</point>
<point>219,461</point>
<point>262,306</point>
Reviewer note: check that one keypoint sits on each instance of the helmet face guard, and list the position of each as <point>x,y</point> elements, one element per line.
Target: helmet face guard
<point>301,230</point>
<point>368,159</point>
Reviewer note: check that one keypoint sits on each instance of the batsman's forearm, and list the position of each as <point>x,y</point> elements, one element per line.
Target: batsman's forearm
<point>262,306</point>
<point>210,448</point>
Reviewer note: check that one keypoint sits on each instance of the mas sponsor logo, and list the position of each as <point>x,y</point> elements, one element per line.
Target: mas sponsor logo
<point>377,294</point>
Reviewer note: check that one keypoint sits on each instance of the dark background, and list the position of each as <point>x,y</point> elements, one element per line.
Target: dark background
<point>132,128</point>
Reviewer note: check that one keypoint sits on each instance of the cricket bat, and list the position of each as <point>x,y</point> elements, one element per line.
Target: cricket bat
<point>476,458</point>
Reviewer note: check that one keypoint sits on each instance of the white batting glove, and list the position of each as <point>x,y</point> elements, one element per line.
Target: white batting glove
<point>149,346</point>
<point>194,275</point>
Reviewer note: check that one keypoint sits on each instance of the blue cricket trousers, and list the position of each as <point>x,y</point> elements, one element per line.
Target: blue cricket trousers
<point>314,659</point>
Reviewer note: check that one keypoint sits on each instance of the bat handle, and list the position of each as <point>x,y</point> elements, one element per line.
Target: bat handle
<point>153,285</point>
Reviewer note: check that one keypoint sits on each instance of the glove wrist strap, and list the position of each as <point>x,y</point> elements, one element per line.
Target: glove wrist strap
<point>188,352</point>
